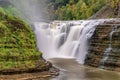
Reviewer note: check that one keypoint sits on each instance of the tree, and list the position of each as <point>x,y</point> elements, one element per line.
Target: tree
<point>77,9</point>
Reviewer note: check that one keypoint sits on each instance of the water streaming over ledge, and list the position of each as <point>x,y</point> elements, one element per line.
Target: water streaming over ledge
<point>109,49</point>
<point>66,39</point>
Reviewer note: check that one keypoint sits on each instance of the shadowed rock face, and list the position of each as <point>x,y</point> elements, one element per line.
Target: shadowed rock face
<point>98,44</point>
<point>18,46</point>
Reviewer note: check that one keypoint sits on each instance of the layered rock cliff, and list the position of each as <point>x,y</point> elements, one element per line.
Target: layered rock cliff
<point>104,47</point>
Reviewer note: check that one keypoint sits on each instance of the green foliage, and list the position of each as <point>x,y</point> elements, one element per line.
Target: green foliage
<point>114,3</point>
<point>17,42</point>
<point>12,10</point>
<point>74,9</point>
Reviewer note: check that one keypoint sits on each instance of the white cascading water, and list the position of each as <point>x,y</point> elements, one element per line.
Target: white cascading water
<point>66,39</point>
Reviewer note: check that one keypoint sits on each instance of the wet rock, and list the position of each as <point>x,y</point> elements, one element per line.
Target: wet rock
<point>100,42</point>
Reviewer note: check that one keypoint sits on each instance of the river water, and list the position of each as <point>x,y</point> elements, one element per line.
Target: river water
<point>71,70</point>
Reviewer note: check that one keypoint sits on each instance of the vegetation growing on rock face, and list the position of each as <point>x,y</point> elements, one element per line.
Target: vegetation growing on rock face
<point>17,45</point>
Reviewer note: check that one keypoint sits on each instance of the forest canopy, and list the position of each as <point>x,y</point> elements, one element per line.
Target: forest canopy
<point>75,9</point>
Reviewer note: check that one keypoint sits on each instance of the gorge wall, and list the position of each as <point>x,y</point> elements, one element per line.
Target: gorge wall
<point>104,47</point>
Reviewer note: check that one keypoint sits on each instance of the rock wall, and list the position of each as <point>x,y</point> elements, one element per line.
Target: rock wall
<point>100,42</point>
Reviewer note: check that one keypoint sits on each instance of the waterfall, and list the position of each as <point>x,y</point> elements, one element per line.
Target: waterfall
<point>108,50</point>
<point>65,39</point>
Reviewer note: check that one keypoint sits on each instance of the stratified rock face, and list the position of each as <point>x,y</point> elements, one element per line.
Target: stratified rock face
<point>18,46</point>
<point>104,47</point>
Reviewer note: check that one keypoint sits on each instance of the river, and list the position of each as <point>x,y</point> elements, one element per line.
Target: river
<point>71,70</point>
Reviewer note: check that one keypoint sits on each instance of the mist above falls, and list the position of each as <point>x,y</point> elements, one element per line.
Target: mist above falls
<point>33,10</point>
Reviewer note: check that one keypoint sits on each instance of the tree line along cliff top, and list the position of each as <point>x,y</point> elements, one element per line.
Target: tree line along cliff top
<point>77,9</point>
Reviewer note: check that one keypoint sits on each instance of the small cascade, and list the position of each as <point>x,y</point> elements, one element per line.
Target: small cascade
<point>108,50</point>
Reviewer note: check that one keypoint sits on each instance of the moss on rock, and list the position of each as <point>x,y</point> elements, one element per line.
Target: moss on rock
<point>18,46</point>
